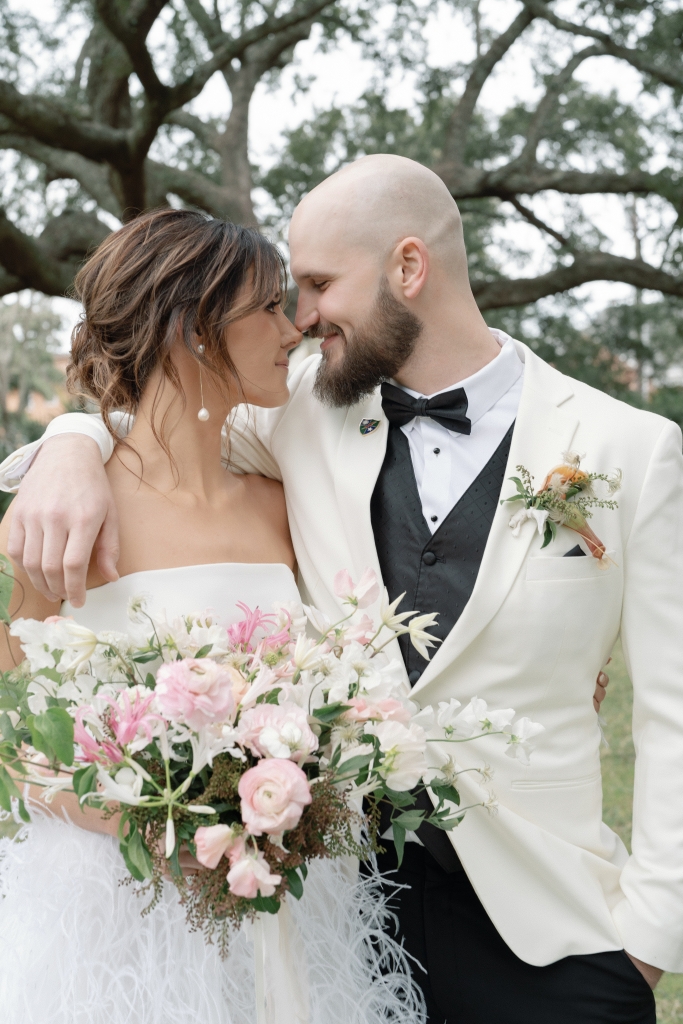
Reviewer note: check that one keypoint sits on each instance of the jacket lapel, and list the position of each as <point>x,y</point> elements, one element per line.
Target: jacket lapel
<point>359,460</point>
<point>543,431</point>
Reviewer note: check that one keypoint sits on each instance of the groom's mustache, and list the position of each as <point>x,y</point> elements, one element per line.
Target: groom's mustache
<point>324,330</point>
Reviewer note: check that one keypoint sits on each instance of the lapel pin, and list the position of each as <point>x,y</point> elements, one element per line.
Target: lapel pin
<point>367,426</point>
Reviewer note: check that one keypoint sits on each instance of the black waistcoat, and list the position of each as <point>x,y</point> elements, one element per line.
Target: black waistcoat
<point>437,572</point>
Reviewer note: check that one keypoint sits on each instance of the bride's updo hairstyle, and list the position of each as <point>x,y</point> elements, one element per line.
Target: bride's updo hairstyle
<point>165,275</point>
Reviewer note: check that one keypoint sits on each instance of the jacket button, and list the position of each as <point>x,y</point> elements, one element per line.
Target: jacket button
<point>429,558</point>
<point>414,676</point>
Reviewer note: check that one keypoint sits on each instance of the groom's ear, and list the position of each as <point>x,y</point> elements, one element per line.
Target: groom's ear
<point>409,267</point>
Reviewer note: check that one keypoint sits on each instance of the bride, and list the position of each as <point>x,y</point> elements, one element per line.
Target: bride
<point>183,321</point>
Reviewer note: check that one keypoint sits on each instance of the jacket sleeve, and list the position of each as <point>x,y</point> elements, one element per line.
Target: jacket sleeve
<point>650,918</point>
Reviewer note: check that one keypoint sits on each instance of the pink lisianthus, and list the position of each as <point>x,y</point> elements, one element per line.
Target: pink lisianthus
<point>387,710</point>
<point>277,730</point>
<point>195,692</point>
<point>274,794</point>
<point>214,842</point>
<point>250,875</point>
<point>94,751</point>
<point>360,594</point>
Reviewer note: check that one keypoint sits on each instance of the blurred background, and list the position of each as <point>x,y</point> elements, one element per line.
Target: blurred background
<point>556,125</point>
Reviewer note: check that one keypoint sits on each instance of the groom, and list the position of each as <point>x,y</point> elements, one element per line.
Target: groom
<point>394,449</point>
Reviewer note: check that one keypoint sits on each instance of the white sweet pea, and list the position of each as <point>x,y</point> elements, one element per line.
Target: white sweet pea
<point>39,640</point>
<point>448,711</point>
<point>404,748</point>
<point>320,622</point>
<point>520,734</point>
<point>137,609</point>
<point>538,515</point>
<point>477,718</point>
<point>292,615</point>
<point>360,594</point>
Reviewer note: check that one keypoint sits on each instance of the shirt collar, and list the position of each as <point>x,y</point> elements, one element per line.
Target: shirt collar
<point>488,385</point>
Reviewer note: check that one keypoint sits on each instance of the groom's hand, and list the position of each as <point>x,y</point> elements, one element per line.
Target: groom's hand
<point>650,973</point>
<point>600,689</point>
<point>63,510</point>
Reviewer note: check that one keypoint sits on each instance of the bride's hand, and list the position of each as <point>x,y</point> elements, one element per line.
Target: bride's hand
<point>189,865</point>
<point>63,510</point>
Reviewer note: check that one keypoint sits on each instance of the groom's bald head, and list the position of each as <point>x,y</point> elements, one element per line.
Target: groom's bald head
<point>374,203</point>
<point>375,249</point>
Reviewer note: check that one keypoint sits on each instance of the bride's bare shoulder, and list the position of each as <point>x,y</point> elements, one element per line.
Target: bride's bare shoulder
<point>264,499</point>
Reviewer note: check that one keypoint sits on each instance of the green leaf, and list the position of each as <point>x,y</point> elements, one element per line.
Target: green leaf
<point>150,681</point>
<point>8,704</point>
<point>400,799</point>
<point>272,697</point>
<point>142,659</point>
<point>9,784</point>
<point>7,729</point>
<point>203,651</point>
<point>399,842</point>
<point>329,712</point>
<point>354,764</point>
<point>53,734</point>
<point>303,868</point>
<point>6,587</point>
<point>136,855</point>
<point>548,533</point>
<point>23,813</point>
<point>5,800</point>
<point>85,781</point>
<point>266,904</point>
<point>446,792</point>
<point>409,820</point>
<point>296,885</point>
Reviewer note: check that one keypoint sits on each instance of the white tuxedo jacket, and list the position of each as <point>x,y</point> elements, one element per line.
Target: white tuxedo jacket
<point>537,629</point>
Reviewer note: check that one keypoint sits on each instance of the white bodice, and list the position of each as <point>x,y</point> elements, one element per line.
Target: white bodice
<point>192,588</point>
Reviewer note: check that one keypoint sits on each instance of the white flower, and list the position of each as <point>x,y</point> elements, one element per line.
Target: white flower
<point>387,612</point>
<point>520,734</point>
<point>137,608</point>
<point>360,594</point>
<point>38,640</point>
<point>79,644</point>
<point>404,748</point>
<point>125,787</point>
<point>290,615</point>
<point>476,718</point>
<point>447,714</point>
<point>538,515</point>
<point>320,622</point>
<point>418,637</point>
<point>308,654</point>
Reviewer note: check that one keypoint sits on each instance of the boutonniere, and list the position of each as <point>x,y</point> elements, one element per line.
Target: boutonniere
<point>565,499</point>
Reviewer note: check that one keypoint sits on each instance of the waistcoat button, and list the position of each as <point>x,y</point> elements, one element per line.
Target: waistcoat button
<point>414,676</point>
<point>429,558</point>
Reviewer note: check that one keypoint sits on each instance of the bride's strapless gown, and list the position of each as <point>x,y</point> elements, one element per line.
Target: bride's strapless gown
<point>74,947</point>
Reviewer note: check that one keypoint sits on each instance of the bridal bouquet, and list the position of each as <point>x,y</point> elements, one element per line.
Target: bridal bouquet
<point>256,747</point>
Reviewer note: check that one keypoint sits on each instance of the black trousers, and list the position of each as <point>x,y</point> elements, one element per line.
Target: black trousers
<point>472,977</point>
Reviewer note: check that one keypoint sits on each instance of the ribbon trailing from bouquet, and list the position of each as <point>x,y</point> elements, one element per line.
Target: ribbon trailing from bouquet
<point>280,977</point>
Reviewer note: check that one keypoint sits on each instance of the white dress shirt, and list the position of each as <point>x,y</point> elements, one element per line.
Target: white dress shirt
<point>445,462</point>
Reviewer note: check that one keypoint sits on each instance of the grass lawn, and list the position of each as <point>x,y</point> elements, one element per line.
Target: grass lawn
<point>618,761</point>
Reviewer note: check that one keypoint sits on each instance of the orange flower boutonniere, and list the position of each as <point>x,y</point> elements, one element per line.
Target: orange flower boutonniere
<point>565,499</point>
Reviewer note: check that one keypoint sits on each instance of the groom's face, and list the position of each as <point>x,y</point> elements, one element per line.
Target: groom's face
<point>366,333</point>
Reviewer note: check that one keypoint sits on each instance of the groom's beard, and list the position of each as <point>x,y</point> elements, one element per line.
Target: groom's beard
<point>373,353</point>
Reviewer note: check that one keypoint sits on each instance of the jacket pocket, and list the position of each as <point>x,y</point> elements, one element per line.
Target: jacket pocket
<point>552,569</point>
<point>581,780</point>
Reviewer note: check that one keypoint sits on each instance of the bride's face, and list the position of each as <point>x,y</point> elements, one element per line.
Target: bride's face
<point>259,346</point>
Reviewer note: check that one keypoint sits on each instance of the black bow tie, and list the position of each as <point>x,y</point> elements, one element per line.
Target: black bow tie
<point>449,409</point>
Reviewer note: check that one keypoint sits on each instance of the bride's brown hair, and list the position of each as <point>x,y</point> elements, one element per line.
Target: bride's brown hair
<point>165,275</point>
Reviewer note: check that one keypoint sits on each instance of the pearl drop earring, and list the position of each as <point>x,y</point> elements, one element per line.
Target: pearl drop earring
<point>203,413</point>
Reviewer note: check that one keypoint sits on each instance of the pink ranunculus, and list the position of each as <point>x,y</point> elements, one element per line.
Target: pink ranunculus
<point>277,730</point>
<point>195,692</point>
<point>387,710</point>
<point>360,594</point>
<point>214,842</point>
<point>274,794</point>
<point>250,875</point>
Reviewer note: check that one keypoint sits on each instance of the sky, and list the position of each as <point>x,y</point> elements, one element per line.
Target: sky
<point>342,76</point>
